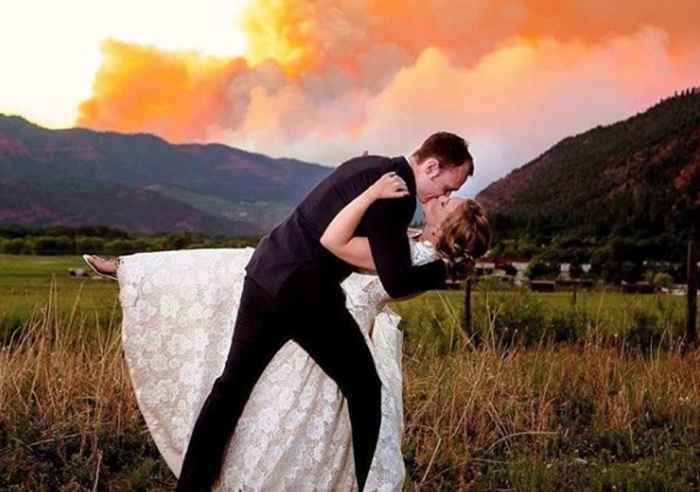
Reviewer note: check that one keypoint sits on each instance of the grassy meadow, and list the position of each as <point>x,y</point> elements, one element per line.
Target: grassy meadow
<point>539,394</point>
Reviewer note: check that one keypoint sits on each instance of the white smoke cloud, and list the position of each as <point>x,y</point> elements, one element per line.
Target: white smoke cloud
<point>514,104</point>
<point>329,79</point>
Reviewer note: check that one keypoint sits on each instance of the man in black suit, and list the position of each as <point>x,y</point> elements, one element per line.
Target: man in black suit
<point>292,291</point>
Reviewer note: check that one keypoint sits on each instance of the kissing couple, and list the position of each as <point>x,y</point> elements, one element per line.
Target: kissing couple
<point>279,367</point>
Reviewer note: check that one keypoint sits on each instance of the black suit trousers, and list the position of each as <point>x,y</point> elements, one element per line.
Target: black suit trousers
<point>311,311</point>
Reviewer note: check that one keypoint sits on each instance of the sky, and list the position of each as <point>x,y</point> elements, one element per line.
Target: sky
<point>326,80</point>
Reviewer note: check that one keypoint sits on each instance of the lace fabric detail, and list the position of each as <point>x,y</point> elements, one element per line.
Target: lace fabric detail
<point>422,252</point>
<point>179,309</point>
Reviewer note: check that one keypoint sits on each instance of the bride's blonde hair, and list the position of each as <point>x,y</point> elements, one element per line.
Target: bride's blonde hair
<point>465,235</point>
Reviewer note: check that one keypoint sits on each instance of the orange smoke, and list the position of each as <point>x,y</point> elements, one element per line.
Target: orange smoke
<point>279,34</point>
<point>143,89</point>
<point>335,32</point>
<point>326,79</point>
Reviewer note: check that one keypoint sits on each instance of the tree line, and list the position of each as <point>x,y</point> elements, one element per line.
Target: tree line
<point>61,240</point>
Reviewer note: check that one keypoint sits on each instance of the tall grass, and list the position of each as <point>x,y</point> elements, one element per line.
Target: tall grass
<point>68,416</point>
<point>482,413</point>
<point>519,317</point>
<point>513,405</point>
<point>490,418</point>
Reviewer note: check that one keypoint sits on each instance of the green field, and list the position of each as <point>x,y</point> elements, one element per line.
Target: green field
<point>30,284</point>
<point>538,394</point>
<point>26,283</point>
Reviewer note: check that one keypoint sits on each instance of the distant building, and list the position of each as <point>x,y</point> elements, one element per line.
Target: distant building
<point>565,271</point>
<point>514,268</point>
<point>518,264</point>
<point>485,267</point>
<point>676,290</point>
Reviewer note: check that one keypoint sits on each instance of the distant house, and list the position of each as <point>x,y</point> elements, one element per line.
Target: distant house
<point>485,267</point>
<point>520,265</point>
<point>502,266</point>
<point>676,290</point>
<point>565,271</point>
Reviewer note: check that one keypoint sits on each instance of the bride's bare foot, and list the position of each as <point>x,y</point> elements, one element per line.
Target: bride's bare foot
<point>105,266</point>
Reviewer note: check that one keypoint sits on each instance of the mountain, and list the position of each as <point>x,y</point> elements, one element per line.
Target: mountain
<point>264,214</point>
<point>615,179</point>
<point>592,167</point>
<point>161,186</point>
<point>74,202</point>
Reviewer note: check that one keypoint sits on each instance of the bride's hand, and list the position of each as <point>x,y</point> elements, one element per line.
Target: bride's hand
<point>390,185</point>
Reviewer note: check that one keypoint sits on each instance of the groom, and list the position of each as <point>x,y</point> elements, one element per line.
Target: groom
<point>292,291</point>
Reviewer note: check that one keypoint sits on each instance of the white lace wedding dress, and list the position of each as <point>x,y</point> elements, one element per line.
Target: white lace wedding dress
<point>179,309</point>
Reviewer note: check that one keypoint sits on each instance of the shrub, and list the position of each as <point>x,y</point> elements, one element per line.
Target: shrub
<point>14,246</point>
<point>508,318</point>
<point>541,269</point>
<point>646,331</point>
<point>662,280</point>
<point>567,326</point>
<point>119,247</point>
<point>50,245</point>
<point>91,245</point>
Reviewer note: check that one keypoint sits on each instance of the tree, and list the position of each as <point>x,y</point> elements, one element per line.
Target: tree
<point>661,280</point>
<point>118,247</point>
<point>541,269</point>
<point>91,245</point>
<point>59,245</point>
<point>15,246</point>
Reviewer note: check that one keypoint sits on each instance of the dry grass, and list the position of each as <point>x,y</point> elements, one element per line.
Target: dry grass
<point>544,417</point>
<point>66,404</point>
<point>545,404</point>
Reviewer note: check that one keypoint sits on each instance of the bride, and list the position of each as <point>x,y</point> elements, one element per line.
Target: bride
<point>179,310</point>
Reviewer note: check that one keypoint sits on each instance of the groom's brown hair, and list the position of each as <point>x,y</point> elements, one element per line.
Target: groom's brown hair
<point>449,149</point>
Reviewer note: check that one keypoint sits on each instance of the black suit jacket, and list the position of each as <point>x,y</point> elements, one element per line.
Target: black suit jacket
<point>295,243</point>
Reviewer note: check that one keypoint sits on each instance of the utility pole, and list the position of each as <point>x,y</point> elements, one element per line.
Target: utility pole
<point>691,329</point>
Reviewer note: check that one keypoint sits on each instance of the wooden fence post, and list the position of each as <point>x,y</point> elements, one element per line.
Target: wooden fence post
<point>467,325</point>
<point>692,270</point>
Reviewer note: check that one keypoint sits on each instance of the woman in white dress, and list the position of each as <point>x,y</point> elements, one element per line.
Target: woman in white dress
<point>179,310</point>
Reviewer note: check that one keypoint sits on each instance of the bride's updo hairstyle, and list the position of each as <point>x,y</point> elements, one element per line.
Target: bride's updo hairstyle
<point>465,235</point>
